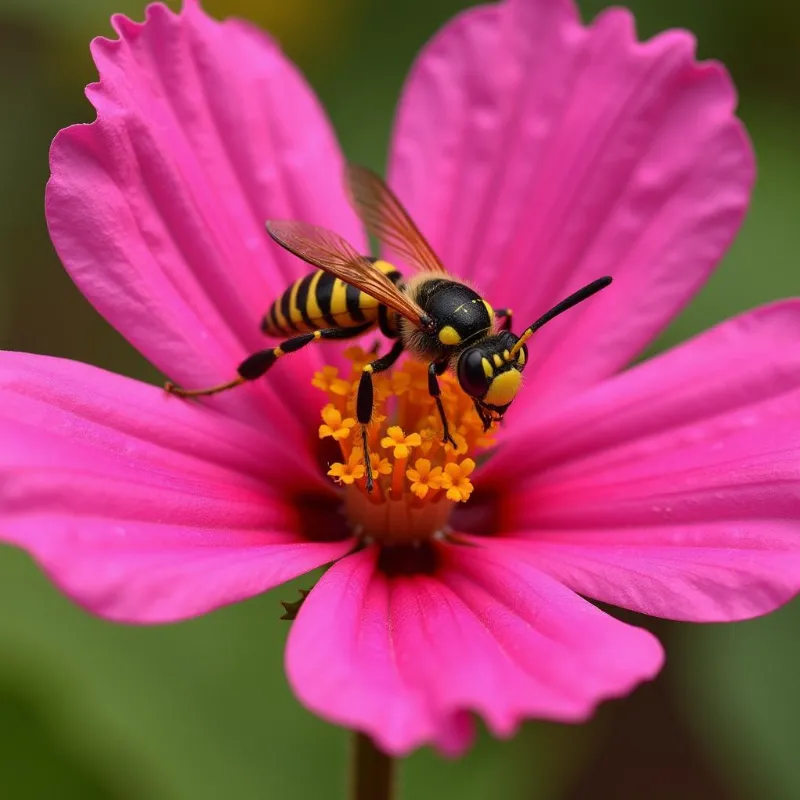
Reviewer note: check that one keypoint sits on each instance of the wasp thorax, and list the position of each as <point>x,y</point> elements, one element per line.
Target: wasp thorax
<point>418,478</point>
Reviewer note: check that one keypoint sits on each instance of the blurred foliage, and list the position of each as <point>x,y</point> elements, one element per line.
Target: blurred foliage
<point>202,709</point>
<point>739,688</point>
<point>75,20</point>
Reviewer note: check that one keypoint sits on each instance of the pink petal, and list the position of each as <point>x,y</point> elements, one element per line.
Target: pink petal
<point>538,155</point>
<point>673,489</point>
<point>204,130</point>
<point>141,508</point>
<point>710,572</point>
<point>737,374</point>
<point>404,658</point>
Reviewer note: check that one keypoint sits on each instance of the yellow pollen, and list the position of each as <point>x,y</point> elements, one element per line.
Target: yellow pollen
<point>357,356</point>
<point>401,444</point>
<point>328,380</point>
<point>461,447</point>
<point>418,478</point>
<point>334,425</point>
<point>401,383</point>
<point>350,472</point>
<point>431,441</point>
<point>380,466</point>
<point>455,479</point>
<point>424,477</point>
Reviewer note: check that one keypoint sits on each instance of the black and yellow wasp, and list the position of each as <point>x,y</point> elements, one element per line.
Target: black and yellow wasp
<point>434,316</point>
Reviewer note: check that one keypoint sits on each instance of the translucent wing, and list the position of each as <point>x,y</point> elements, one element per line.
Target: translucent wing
<point>330,252</point>
<point>387,220</point>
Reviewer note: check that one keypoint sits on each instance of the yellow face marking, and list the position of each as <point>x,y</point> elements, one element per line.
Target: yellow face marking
<point>521,357</point>
<point>503,389</point>
<point>487,367</point>
<point>498,362</point>
<point>449,336</point>
<point>506,355</point>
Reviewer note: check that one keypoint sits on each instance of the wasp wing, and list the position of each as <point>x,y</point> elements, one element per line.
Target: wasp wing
<point>387,220</point>
<point>330,252</point>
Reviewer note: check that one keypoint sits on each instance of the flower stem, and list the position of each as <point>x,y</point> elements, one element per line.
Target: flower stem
<point>373,771</point>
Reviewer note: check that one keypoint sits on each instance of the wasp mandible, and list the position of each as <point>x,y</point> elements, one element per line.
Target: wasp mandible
<point>434,316</point>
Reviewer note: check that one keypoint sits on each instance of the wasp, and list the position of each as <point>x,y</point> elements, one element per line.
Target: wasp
<point>434,316</point>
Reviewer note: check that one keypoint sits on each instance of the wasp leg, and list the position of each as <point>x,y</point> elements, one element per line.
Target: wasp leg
<point>483,415</point>
<point>365,400</point>
<point>171,388</point>
<point>256,365</point>
<point>436,368</point>
<point>505,314</point>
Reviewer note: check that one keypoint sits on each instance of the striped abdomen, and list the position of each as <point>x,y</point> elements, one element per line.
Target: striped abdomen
<point>319,300</point>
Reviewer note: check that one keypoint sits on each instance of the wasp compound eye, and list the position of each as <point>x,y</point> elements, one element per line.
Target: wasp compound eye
<point>473,375</point>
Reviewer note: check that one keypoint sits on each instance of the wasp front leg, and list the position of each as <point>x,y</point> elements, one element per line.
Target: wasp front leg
<point>435,369</point>
<point>484,416</point>
<point>365,400</point>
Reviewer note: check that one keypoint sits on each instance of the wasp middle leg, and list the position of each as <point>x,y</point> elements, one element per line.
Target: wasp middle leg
<point>435,369</point>
<point>256,365</point>
<point>365,400</point>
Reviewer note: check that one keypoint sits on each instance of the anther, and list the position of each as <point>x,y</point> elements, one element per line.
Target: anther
<point>413,480</point>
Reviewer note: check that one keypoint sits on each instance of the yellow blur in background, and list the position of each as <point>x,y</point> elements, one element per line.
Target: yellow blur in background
<point>89,710</point>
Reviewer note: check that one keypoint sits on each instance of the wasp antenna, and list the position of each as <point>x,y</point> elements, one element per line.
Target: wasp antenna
<point>577,297</point>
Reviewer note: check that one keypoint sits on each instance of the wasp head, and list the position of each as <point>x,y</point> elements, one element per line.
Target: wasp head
<point>492,375</point>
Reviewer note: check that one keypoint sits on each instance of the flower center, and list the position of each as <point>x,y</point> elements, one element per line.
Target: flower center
<point>418,479</point>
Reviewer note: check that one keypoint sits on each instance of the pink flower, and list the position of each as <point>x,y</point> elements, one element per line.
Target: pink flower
<point>536,154</point>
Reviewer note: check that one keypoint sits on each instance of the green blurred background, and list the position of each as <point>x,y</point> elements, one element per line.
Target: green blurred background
<point>202,710</point>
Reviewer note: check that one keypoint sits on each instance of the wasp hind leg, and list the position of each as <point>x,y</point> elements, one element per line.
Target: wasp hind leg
<point>365,400</point>
<point>257,365</point>
<point>435,369</point>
